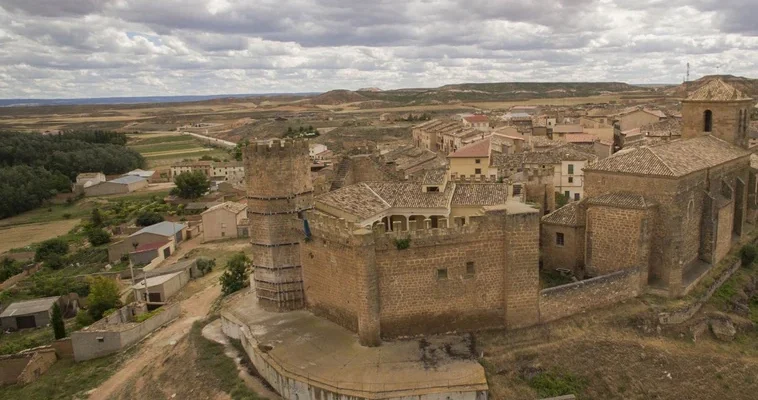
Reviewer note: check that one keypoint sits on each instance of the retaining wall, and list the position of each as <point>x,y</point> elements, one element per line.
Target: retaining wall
<point>566,300</point>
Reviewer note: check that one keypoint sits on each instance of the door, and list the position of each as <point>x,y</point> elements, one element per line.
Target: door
<point>155,297</point>
<point>26,321</point>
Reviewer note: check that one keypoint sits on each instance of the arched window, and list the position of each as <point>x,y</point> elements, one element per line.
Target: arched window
<point>708,117</point>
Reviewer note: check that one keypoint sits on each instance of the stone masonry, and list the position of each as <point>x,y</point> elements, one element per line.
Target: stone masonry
<point>278,188</point>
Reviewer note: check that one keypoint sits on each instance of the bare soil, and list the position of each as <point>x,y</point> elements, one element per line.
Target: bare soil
<point>24,235</point>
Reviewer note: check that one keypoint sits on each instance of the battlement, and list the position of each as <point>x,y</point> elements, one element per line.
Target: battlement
<point>420,230</point>
<point>276,147</point>
<point>473,179</point>
<point>333,226</point>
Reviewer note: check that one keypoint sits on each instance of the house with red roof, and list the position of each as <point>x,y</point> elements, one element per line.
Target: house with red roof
<point>477,121</point>
<point>473,161</point>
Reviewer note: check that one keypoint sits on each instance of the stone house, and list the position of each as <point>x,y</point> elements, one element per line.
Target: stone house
<point>224,221</point>
<point>671,210</point>
<point>473,161</point>
<point>87,179</point>
<point>122,185</point>
<point>635,117</point>
<point>479,122</point>
<point>25,367</point>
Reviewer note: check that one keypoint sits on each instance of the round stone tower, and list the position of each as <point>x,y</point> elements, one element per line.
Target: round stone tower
<point>717,109</point>
<point>279,187</point>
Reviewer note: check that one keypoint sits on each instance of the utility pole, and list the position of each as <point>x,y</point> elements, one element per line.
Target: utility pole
<point>135,244</point>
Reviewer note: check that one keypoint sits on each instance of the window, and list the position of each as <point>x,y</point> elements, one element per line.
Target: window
<point>441,273</point>
<point>223,234</point>
<point>708,119</point>
<point>478,161</point>
<point>433,189</point>
<point>567,194</point>
<point>478,171</point>
<point>223,225</point>
<point>470,269</point>
<point>100,339</point>
<point>559,238</point>
<point>516,190</point>
<point>576,196</point>
<point>571,179</point>
<point>571,169</point>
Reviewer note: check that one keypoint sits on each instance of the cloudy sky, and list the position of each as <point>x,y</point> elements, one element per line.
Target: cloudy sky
<point>97,48</point>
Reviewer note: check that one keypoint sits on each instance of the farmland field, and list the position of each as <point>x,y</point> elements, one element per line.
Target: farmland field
<point>24,235</point>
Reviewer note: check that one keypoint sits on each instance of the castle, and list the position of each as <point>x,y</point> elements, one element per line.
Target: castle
<point>669,211</point>
<point>390,259</point>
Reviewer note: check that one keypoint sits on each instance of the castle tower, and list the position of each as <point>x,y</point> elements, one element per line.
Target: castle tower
<point>279,186</point>
<point>717,109</point>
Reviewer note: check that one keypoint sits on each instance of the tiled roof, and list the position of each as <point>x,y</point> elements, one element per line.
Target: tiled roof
<point>717,90</point>
<point>480,194</point>
<point>665,128</point>
<point>581,138</point>
<point>621,199</point>
<point>410,195</point>
<point>568,129</point>
<point>476,149</point>
<point>232,206</point>
<point>657,113</point>
<point>565,215</point>
<point>476,118</point>
<point>358,200</point>
<point>676,158</point>
<point>434,177</point>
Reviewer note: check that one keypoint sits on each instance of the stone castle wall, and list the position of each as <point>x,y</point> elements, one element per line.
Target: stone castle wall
<point>478,276</point>
<point>279,187</point>
<point>570,255</point>
<point>566,300</point>
<point>615,239</point>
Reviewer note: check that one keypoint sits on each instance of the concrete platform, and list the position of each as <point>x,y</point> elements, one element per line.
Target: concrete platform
<point>306,357</point>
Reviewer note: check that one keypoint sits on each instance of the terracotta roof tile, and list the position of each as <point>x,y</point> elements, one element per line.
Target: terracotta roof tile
<point>480,194</point>
<point>476,149</point>
<point>717,90</point>
<point>565,215</point>
<point>434,176</point>
<point>622,200</point>
<point>676,158</point>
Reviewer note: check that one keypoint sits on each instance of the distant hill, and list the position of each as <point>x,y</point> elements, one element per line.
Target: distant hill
<point>503,91</point>
<point>138,100</point>
<point>745,85</point>
<point>341,96</point>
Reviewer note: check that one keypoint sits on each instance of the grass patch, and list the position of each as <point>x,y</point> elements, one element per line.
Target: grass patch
<point>67,379</point>
<point>137,141</point>
<point>554,383</point>
<point>55,212</point>
<point>553,278</point>
<point>172,146</point>
<point>144,317</point>
<point>211,357</point>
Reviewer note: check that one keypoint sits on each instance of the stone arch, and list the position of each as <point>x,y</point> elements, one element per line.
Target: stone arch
<point>708,121</point>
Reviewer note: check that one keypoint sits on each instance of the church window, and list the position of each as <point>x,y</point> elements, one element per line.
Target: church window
<point>708,117</point>
<point>559,240</point>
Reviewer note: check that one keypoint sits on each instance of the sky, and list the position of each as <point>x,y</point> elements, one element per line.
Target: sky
<point>107,48</point>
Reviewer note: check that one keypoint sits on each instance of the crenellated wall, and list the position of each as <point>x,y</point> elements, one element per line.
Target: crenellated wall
<point>478,276</point>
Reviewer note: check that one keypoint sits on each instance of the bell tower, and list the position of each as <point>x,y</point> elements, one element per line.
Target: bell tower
<point>717,109</point>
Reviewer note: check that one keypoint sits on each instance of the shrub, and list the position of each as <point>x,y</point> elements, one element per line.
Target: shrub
<point>84,319</point>
<point>59,328</point>
<point>748,253</point>
<point>96,219</point>
<point>148,315</point>
<point>49,247</point>
<point>205,265</point>
<point>149,218</point>
<point>98,236</point>
<point>403,244</point>
<point>66,216</point>
<point>236,275</point>
<point>54,261</point>
<point>550,384</point>
<point>104,295</point>
<point>9,268</point>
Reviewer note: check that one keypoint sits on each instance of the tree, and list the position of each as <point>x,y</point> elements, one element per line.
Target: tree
<point>59,328</point>
<point>205,265</point>
<point>236,275</point>
<point>560,200</point>
<point>49,248</point>
<point>98,236</point>
<point>103,295</point>
<point>96,219</point>
<point>192,185</point>
<point>148,218</point>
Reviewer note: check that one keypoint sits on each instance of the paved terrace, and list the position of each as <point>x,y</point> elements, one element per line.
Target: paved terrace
<point>322,354</point>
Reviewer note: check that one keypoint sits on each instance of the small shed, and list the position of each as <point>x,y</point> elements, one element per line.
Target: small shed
<point>145,253</point>
<point>28,314</point>
<point>160,288</point>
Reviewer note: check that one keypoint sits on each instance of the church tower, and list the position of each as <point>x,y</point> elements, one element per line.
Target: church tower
<point>279,187</point>
<point>717,109</point>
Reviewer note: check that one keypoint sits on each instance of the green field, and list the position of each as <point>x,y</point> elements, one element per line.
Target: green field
<point>145,149</point>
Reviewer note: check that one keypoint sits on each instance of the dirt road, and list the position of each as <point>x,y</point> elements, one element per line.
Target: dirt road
<point>193,309</point>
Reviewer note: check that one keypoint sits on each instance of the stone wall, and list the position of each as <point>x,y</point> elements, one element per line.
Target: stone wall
<point>566,300</point>
<point>478,276</point>
<point>725,118</point>
<point>24,368</point>
<point>615,239</point>
<point>724,232</point>
<point>570,255</point>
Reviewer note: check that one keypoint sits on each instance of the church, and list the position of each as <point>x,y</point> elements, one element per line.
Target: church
<point>672,211</point>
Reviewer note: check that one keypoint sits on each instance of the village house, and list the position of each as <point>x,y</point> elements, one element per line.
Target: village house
<point>225,221</point>
<point>479,122</point>
<point>28,313</point>
<point>122,185</point>
<point>473,161</point>
<point>87,179</point>
<point>161,232</point>
<point>149,175</point>
<point>671,211</point>
<point>162,287</point>
<point>147,253</point>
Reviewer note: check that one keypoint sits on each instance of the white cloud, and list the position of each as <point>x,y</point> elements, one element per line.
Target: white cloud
<point>89,48</point>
